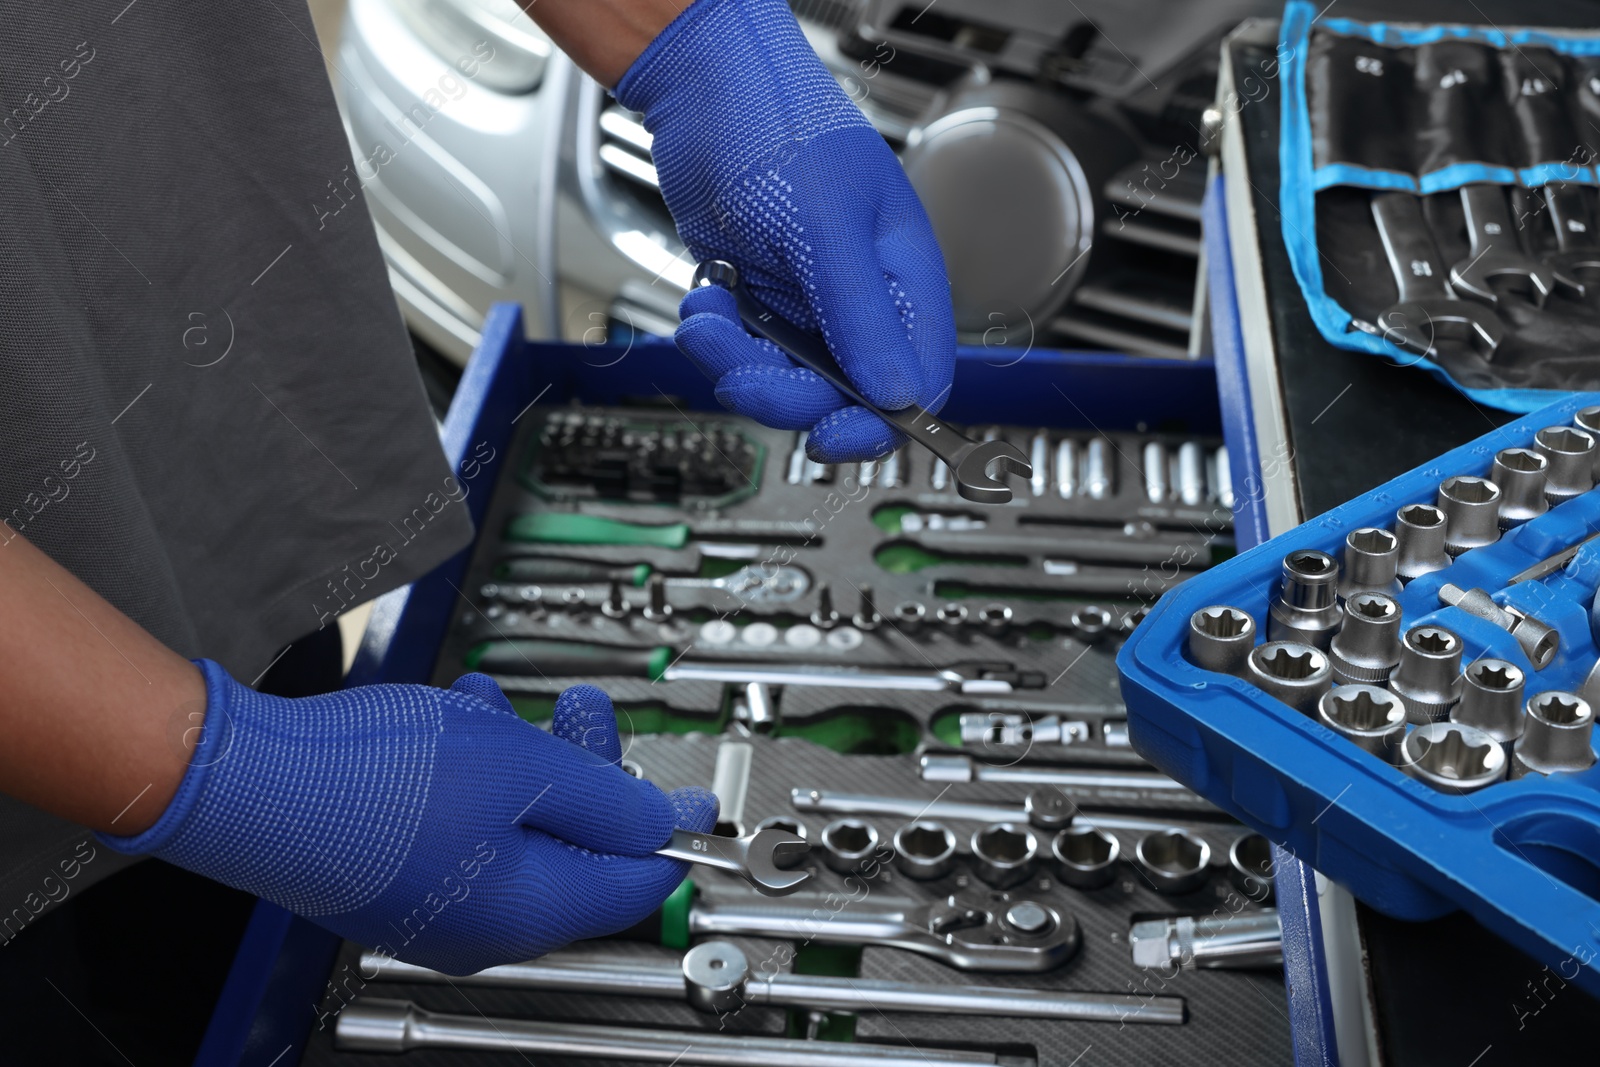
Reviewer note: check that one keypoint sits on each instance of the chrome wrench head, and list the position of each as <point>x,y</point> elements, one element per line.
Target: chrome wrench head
<point>754,858</point>
<point>975,466</point>
<point>1418,325</point>
<point>1472,276</point>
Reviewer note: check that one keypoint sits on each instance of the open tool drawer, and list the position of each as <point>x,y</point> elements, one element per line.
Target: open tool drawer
<point>291,979</point>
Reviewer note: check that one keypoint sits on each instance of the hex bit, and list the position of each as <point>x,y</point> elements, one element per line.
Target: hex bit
<point>1538,640</point>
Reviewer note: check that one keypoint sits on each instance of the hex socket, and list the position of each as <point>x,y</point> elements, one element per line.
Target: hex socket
<point>1004,854</point>
<point>924,849</point>
<point>1588,420</point>
<point>1220,638</point>
<point>1295,673</point>
<point>848,845</point>
<point>1368,716</point>
<point>786,860</point>
<point>1491,699</point>
<point>1367,646</point>
<point>1520,474</point>
<point>1306,608</point>
<point>1428,678</point>
<point>1571,453</point>
<point>1420,530</point>
<point>1471,507</point>
<point>1556,735</point>
<point>1175,862</point>
<point>1538,640</point>
<point>1453,757</point>
<point>1250,866</point>
<point>1085,857</point>
<point>1371,556</point>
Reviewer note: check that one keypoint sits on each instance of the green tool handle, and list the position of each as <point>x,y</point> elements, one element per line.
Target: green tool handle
<point>569,571</point>
<point>565,659</point>
<point>567,528</point>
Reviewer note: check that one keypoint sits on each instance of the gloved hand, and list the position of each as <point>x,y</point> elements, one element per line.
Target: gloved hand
<point>765,162</point>
<point>430,824</point>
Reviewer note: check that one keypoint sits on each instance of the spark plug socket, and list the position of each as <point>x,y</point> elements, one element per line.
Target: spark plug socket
<point>1520,474</point>
<point>1307,606</point>
<point>1555,736</point>
<point>1367,646</point>
<point>1420,530</point>
<point>1428,677</point>
<point>1471,507</point>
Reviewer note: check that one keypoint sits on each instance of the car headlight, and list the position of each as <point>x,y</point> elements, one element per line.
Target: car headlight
<point>458,31</point>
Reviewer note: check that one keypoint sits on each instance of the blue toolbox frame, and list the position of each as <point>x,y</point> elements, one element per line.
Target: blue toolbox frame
<point>269,1002</point>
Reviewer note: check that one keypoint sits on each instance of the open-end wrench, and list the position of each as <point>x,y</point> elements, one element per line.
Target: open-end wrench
<point>1575,239</point>
<point>1495,252</point>
<point>969,461</point>
<point>1427,310</point>
<point>752,858</point>
<point>1048,807</point>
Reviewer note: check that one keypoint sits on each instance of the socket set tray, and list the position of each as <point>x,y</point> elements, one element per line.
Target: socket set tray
<point>1422,787</point>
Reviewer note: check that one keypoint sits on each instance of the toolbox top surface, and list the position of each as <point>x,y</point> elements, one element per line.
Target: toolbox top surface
<point>1518,855</point>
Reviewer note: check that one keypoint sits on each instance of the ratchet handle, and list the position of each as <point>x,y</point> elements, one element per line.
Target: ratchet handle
<point>565,659</point>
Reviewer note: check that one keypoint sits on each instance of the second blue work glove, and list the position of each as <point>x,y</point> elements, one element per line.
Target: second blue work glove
<point>765,162</point>
<point>433,825</point>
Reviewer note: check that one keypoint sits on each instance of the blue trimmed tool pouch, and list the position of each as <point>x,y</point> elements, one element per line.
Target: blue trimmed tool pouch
<point>1439,198</point>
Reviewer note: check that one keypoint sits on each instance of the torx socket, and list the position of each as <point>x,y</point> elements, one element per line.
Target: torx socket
<point>1368,716</point>
<point>1538,640</point>
<point>1452,757</point>
<point>1220,638</point>
<point>1250,866</point>
<point>1571,453</point>
<point>848,845</point>
<point>1155,472</point>
<point>1191,473</point>
<point>1491,699</point>
<point>1099,475</point>
<point>1428,678</point>
<point>1295,673</point>
<point>1520,474</point>
<point>1420,528</point>
<point>1371,556</point>
<point>786,860</point>
<point>1306,608</point>
<point>1367,646</point>
<point>1004,854</point>
<point>1555,736</point>
<point>924,849</point>
<point>1588,420</point>
<point>1084,857</point>
<point>1471,507</point>
<point>1173,861</point>
<point>1066,468</point>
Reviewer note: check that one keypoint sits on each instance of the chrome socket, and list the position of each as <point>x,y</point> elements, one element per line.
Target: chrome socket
<point>1538,640</point>
<point>995,618</point>
<point>1428,677</point>
<point>1453,758</point>
<point>1084,857</point>
<point>1368,716</point>
<point>1555,736</point>
<point>909,615</point>
<point>1307,606</point>
<point>1367,646</point>
<point>1420,530</point>
<point>1520,474</point>
<point>1090,623</point>
<point>1296,674</point>
<point>1004,854</point>
<point>1588,420</point>
<point>1471,507</point>
<point>786,860</point>
<point>1371,556</point>
<point>1491,699</point>
<point>924,849</point>
<point>1175,862</point>
<point>1571,453</point>
<point>1250,867</point>
<point>1220,638</point>
<point>848,845</point>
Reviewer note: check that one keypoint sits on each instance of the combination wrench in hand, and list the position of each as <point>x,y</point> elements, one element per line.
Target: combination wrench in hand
<point>753,858</point>
<point>969,461</point>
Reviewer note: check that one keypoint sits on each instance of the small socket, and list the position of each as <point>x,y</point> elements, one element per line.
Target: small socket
<point>1084,857</point>
<point>1174,862</point>
<point>1091,622</point>
<point>786,860</point>
<point>1368,716</point>
<point>909,615</point>
<point>1453,758</point>
<point>1220,638</point>
<point>1250,867</point>
<point>1306,608</point>
<point>1471,507</point>
<point>1367,646</point>
<point>924,849</point>
<point>1491,699</point>
<point>1296,674</point>
<point>1428,677</point>
<point>995,617</point>
<point>1420,529</point>
<point>848,845</point>
<point>1520,474</point>
<point>1371,556</point>
<point>1555,737</point>
<point>952,616</point>
<point>1004,854</point>
<point>1571,453</point>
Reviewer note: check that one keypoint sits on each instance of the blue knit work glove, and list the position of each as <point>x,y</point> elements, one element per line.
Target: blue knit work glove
<point>433,825</point>
<point>766,163</point>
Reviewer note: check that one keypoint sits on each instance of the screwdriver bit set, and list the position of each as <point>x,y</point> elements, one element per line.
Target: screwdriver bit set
<point>1402,691</point>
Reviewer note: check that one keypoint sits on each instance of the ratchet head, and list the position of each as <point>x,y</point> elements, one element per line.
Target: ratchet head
<point>764,850</point>
<point>975,467</point>
<point>1419,325</point>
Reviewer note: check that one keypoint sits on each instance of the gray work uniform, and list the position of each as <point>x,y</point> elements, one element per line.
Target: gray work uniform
<point>211,413</point>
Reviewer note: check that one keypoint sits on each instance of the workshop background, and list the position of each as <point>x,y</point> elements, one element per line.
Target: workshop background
<point>1225,273</point>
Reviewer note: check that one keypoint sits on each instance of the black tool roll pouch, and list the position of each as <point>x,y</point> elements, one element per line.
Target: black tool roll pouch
<point>1439,198</point>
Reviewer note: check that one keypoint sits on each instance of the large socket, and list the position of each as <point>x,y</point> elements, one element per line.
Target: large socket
<point>1571,453</point>
<point>1520,474</point>
<point>1295,673</point>
<point>1556,736</point>
<point>1173,861</point>
<point>1428,678</point>
<point>1306,608</point>
<point>1368,716</point>
<point>1453,758</point>
<point>1471,507</point>
<point>1004,854</point>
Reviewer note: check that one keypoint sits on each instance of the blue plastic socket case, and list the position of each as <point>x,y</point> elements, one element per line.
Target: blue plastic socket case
<point>1523,856</point>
